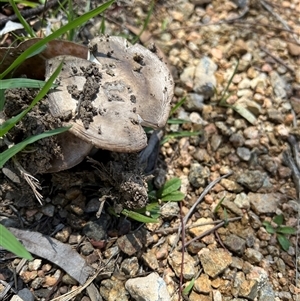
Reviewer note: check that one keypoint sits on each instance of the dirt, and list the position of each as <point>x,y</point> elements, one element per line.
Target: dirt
<point>37,157</point>
<point>85,109</point>
<point>125,175</point>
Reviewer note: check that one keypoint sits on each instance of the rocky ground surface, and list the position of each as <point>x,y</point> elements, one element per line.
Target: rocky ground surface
<point>240,171</point>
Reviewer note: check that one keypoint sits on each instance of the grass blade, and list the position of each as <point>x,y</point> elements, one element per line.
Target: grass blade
<point>26,26</point>
<point>2,99</point>
<point>146,22</point>
<point>9,242</point>
<point>139,217</point>
<point>244,112</point>
<point>170,186</point>
<point>21,83</point>
<point>223,99</point>
<point>179,104</point>
<point>177,121</point>
<point>24,2</point>
<point>189,287</point>
<point>9,153</point>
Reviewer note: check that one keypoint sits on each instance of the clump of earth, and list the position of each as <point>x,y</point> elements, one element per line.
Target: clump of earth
<point>37,157</point>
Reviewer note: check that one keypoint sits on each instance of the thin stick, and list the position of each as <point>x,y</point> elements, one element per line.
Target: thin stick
<point>7,287</point>
<point>203,194</point>
<point>30,12</point>
<point>69,295</point>
<point>205,191</point>
<point>277,59</point>
<point>174,229</point>
<point>182,253</point>
<point>207,232</point>
<point>283,22</point>
<point>220,241</point>
<point>31,180</point>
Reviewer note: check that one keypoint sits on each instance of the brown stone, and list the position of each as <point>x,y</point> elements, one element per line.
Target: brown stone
<point>214,262</point>
<point>27,276</point>
<point>202,284</point>
<point>248,289</point>
<point>293,49</point>
<point>49,281</point>
<point>198,230</point>
<point>199,297</point>
<point>189,269</point>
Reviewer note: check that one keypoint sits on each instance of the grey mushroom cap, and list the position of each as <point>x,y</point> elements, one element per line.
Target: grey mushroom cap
<point>124,88</point>
<point>143,71</point>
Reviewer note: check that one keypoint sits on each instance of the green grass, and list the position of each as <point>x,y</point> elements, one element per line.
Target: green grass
<point>10,243</point>
<point>240,109</point>
<point>282,232</point>
<point>146,22</point>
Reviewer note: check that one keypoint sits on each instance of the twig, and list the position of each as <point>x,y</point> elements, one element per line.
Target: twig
<point>277,59</point>
<point>30,12</point>
<point>205,191</point>
<point>7,286</point>
<point>102,202</point>
<point>31,180</point>
<point>20,265</point>
<point>68,296</point>
<point>34,184</point>
<point>221,224</point>
<point>269,9</point>
<point>295,149</point>
<point>171,230</point>
<point>17,212</point>
<point>294,165</point>
<point>289,161</point>
<point>243,23</point>
<point>203,194</point>
<point>182,252</point>
<point>220,240</point>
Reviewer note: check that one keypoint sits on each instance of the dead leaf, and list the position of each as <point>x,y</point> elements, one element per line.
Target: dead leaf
<point>56,252</point>
<point>244,112</point>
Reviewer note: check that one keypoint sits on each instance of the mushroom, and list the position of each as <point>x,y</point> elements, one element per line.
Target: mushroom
<point>109,98</point>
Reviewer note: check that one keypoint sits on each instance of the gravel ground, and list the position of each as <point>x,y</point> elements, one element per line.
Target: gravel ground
<point>240,172</point>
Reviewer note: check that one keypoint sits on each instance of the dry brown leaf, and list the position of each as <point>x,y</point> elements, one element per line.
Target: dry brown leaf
<point>56,252</point>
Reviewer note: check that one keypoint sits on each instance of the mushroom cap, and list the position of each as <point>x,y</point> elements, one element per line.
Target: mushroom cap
<point>107,102</point>
<point>72,151</point>
<point>143,71</point>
